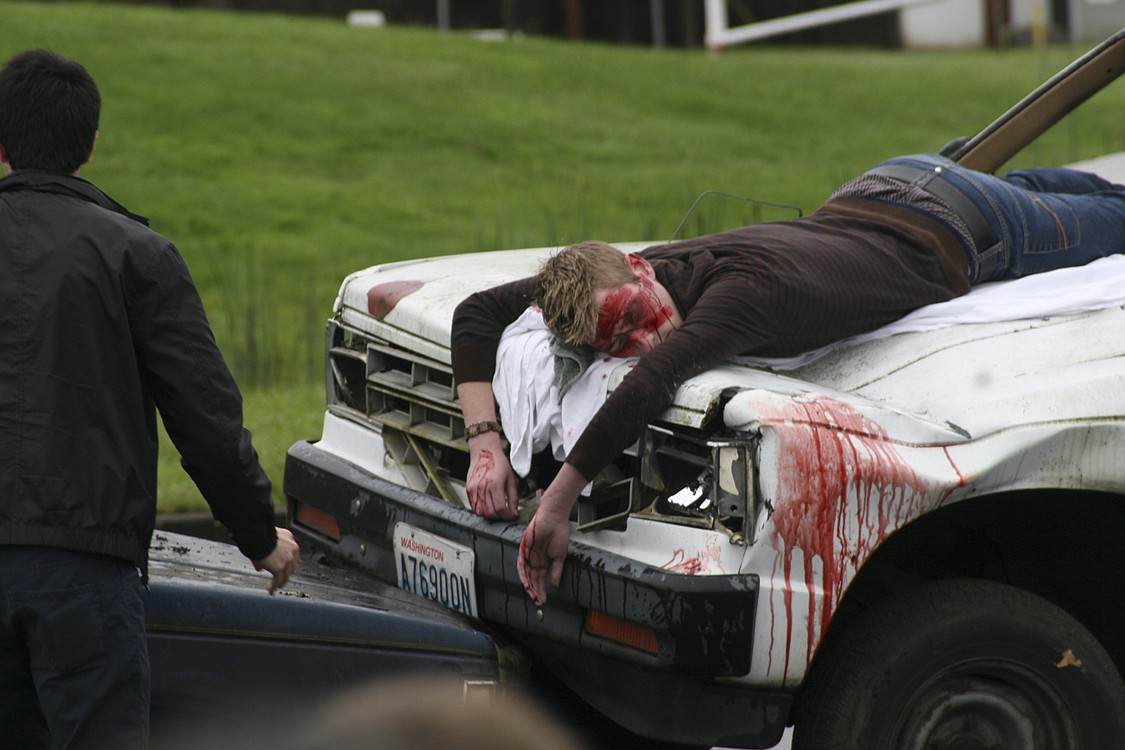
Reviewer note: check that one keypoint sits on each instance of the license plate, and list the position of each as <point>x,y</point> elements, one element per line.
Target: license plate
<point>435,568</point>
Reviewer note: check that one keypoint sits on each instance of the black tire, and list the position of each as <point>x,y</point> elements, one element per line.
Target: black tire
<point>965,665</point>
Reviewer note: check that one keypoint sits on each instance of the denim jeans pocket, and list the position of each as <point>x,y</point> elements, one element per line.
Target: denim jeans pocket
<point>1052,225</point>
<point>67,628</point>
<point>992,263</point>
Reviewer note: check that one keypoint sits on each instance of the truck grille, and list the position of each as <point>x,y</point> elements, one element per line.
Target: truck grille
<point>411,401</point>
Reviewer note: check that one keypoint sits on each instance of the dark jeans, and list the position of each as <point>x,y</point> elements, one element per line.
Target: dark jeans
<point>1041,219</point>
<point>73,655</point>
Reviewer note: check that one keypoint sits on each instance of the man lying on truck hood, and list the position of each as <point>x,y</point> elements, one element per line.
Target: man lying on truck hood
<point>910,232</point>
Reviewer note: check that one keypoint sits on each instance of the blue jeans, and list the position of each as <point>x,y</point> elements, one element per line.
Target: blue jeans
<point>73,656</point>
<point>1041,219</point>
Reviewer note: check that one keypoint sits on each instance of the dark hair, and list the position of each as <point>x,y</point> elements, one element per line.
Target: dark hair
<point>49,108</point>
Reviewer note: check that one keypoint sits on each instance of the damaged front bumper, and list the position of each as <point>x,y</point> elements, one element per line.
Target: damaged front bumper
<point>622,634</point>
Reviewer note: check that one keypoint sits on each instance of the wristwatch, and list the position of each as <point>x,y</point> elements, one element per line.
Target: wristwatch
<point>479,428</point>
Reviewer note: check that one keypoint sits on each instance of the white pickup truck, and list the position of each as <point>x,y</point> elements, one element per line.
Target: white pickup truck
<point>916,541</point>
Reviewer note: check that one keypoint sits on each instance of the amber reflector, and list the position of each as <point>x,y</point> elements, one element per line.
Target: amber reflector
<point>318,520</point>
<point>621,631</point>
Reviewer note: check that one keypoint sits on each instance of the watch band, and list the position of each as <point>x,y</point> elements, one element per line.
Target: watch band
<point>479,428</point>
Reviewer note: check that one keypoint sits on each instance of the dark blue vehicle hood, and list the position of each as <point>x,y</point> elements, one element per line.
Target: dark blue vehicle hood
<point>220,645</point>
<point>205,587</point>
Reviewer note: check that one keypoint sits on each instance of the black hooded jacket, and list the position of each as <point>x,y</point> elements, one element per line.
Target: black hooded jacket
<point>100,326</point>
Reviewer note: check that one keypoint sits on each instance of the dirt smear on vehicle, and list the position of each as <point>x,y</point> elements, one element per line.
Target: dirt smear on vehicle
<point>382,298</point>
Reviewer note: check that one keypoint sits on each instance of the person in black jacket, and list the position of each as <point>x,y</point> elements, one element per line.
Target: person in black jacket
<point>100,327</point>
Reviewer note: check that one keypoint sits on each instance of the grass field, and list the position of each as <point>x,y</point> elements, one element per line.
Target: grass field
<point>281,153</point>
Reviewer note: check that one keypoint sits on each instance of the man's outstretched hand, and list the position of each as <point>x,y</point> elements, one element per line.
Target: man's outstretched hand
<point>546,539</point>
<point>542,552</point>
<point>283,561</point>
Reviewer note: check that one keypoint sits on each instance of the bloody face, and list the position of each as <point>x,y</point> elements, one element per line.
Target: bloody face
<point>632,319</point>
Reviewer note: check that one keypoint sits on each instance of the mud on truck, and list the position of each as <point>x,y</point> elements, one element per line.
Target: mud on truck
<point>913,541</point>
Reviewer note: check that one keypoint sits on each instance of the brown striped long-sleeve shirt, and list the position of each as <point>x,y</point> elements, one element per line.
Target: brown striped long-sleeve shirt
<point>770,289</point>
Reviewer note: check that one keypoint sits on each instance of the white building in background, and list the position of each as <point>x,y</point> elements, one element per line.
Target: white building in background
<point>947,23</point>
<point>941,23</point>
<point>966,23</point>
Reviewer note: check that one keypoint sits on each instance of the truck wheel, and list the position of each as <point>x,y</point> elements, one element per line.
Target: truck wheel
<point>962,664</point>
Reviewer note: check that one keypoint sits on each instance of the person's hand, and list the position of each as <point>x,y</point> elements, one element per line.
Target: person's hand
<point>283,561</point>
<point>546,538</point>
<point>491,484</point>
<point>542,552</point>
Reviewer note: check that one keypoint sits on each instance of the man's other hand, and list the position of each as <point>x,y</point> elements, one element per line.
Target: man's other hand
<point>283,561</point>
<point>491,484</point>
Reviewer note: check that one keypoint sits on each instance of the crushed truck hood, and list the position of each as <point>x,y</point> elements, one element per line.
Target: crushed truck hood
<point>941,386</point>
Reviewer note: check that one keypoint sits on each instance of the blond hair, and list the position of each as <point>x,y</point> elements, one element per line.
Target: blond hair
<point>566,284</point>
<point>412,713</point>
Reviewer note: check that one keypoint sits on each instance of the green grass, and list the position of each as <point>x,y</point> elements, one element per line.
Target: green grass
<point>282,153</point>
<point>277,417</point>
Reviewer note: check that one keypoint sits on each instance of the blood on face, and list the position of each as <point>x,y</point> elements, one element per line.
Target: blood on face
<point>632,319</point>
